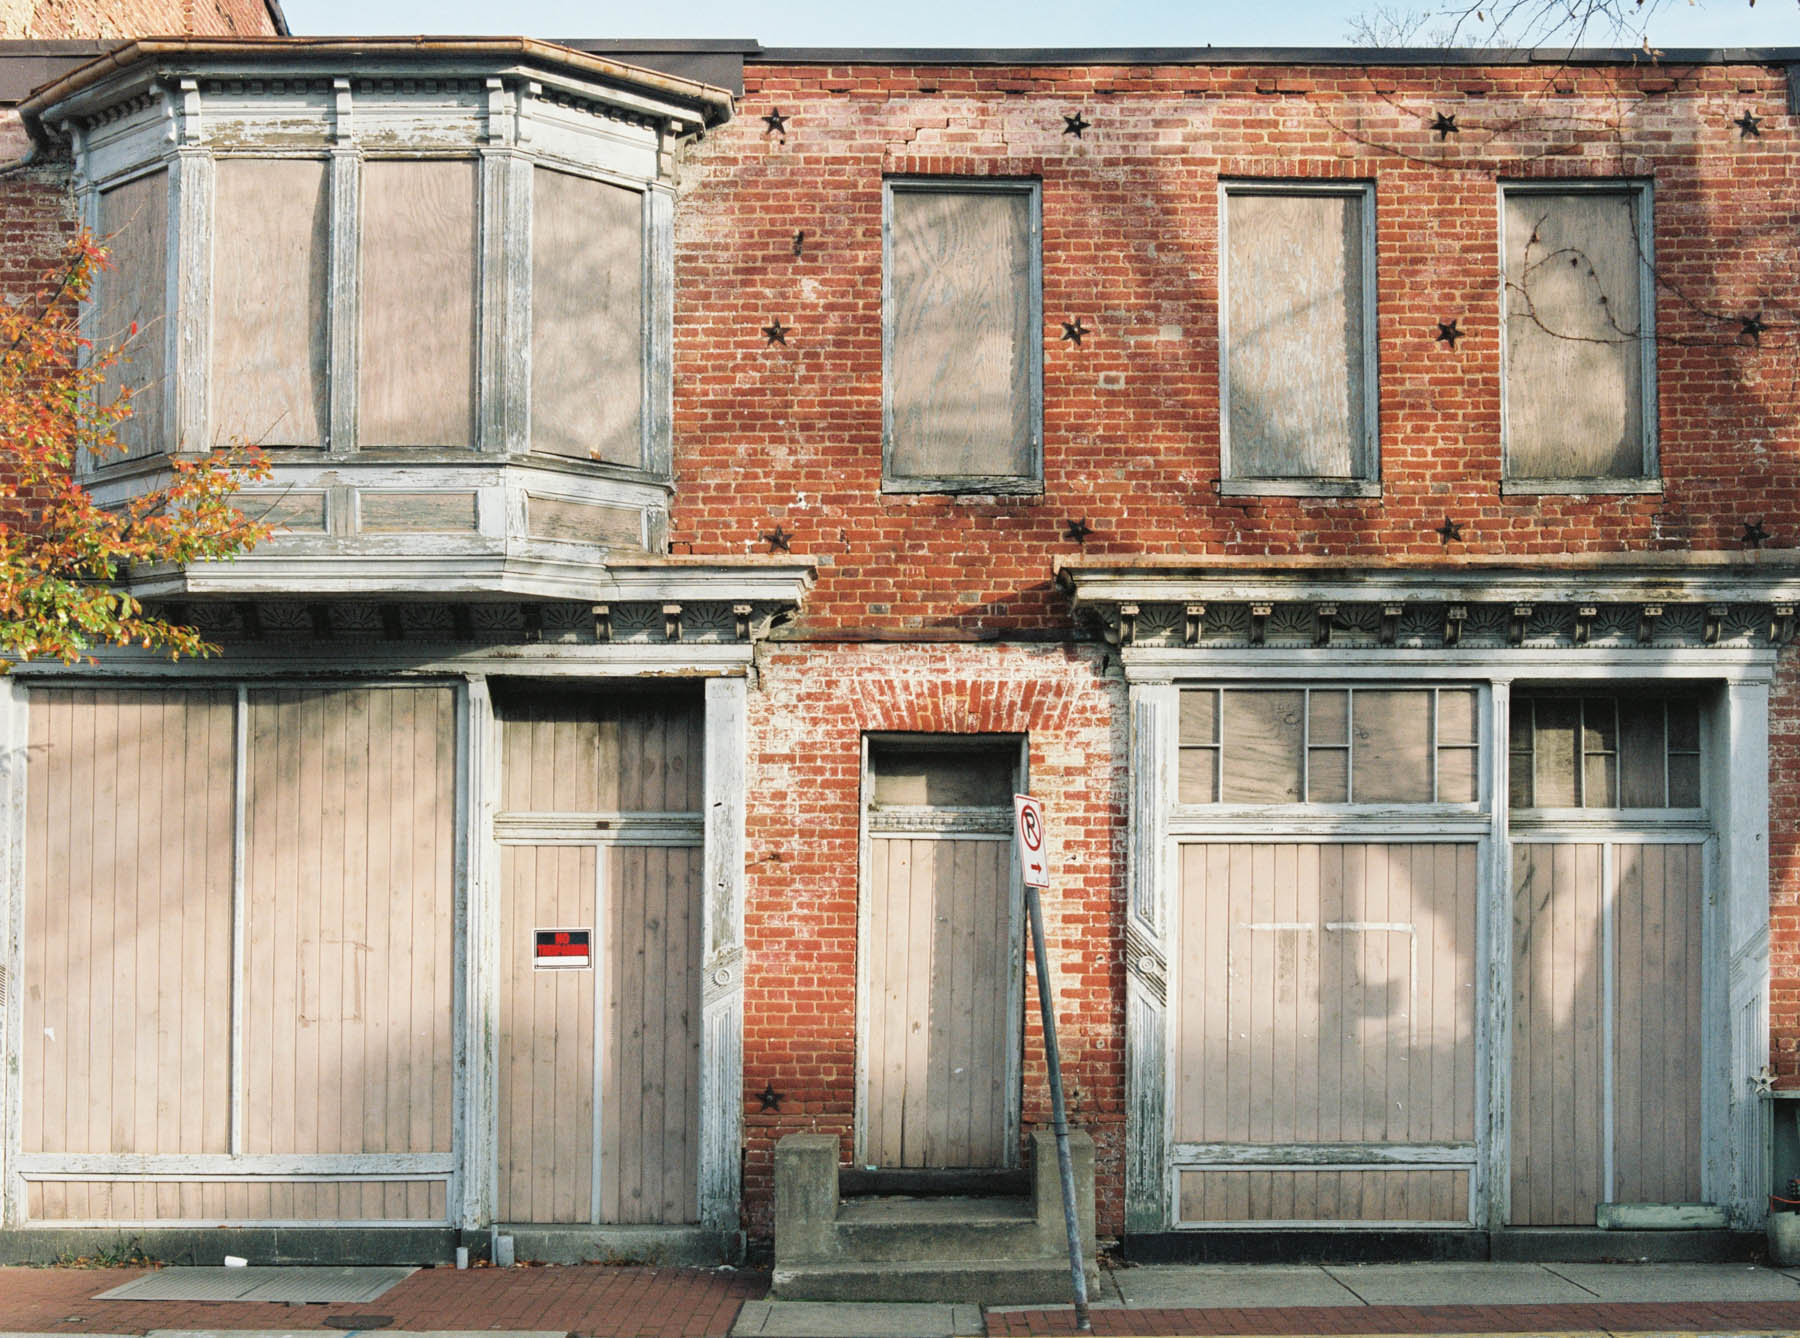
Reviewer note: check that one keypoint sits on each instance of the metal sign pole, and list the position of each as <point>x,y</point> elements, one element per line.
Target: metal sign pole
<point>1059,1115</point>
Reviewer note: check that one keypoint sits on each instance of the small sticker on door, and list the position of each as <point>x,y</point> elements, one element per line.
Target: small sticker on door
<point>561,949</point>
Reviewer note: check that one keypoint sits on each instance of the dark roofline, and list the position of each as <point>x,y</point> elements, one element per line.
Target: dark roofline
<point>277,18</point>
<point>1280,55</point>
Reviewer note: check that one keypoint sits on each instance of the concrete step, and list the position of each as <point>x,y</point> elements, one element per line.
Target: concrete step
<point>907,1229</point>
<point>993,1281</point>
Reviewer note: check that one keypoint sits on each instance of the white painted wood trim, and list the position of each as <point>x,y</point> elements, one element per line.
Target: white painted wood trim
<point>201,1165</point>
<point>239,986</point>
<point>515,408</point>
<point>15,738</point>
<point>249,1224</point>
<point>659,331</point>
<point>369,660</point>
<point>480,924</point>
<point>1335,1156</point>
<point>1154,714</point>
<point>1013,1098</point>
<point>1399,664</point>
<point>1735,1166</point>
<point>464,1051</point>
<point>186,397</point>
<point>722,986</point>
<point>599,981</point>
<point>343,292</point>
<point>1490,1182</point>
<point>1335,1226</point>
<point>496,343</point>
<point>859,1122</point>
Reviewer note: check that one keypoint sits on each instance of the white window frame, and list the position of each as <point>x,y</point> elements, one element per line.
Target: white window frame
<point>1366,481</point>
<point>1650,480</point>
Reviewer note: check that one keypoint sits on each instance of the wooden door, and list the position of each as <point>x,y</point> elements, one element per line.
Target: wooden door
<point>1606,1026</point>
<point>940,985</point>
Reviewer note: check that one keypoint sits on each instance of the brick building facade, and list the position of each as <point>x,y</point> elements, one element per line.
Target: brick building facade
<point>1354,490</point>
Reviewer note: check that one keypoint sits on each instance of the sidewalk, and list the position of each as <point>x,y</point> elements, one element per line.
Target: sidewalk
<point>630,1302</point>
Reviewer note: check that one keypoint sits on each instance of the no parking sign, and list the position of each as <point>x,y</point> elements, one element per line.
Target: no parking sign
<point>1028,827</point>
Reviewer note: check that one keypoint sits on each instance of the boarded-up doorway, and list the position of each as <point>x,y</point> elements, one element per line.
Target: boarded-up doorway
<point>940,957</point>
<point>600,835</point>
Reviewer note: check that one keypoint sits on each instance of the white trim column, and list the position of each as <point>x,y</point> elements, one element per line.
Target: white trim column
<point>477,1131</point>
<point>14,758</point>
<point>1155,714</point>
<point>1491,1190</point>
<point>1735,1048</point>
<point>722,960</point>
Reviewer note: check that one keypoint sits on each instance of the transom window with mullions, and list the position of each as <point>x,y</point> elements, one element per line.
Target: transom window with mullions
<point>1637,751</point>
<point>1329,745</point>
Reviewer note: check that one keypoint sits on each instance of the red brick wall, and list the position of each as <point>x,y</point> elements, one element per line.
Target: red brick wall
<point>61,19</point>
<point>804,781</point>
<point>790,436</point>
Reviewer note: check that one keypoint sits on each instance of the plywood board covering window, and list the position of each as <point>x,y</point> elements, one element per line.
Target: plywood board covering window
<point>1299,337</point>
<point>416,384</point>
<point>1578,334</point>
<point>587,315</point>
<point>271,260</point>
<point>963,342</point>
<point>1328,746</point>
<point>131,305</point>
<point>1637,751</point>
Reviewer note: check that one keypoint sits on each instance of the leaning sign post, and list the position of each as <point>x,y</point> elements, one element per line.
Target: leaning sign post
<point>1028,823</point>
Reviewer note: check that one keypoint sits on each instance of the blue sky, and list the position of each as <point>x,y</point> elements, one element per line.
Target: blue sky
<point>1677,23</point>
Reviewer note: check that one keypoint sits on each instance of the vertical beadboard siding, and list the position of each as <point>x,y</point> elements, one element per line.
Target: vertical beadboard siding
<point>127,922</point>
<point>587,300</point>
<point>650,1139</point>
<point>416,382</point>
<point>271,256</point>
<point>939,946</point>
<point>1329,1195</point>
<point>1294,335</point>
<point>349,921</point>
<point>575,752</point>
<point>547,1052</point>
<point>1574,359</point>
<point>134,226</point>
<point>221,1201</point>
<point>961,333</point>
<point>1307,1012</point>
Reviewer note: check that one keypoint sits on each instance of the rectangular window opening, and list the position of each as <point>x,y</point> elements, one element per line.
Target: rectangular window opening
<point>1605,752</point>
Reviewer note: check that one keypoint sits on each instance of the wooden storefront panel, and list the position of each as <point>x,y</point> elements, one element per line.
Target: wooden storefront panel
<point>600,752</point>
<point>350,837</point>
<point>127,990</point>
<point>939,948</point>
<point>210,1201</point>
<point>1326,993</point>
<point>1277,1194</point>
<point>1572,1061</point>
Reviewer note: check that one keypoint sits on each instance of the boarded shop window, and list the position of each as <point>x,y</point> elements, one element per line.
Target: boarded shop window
<point>1328,746</point>
<point>271,261</point>
<point>962,348</point>
<point>131,305</point>
<point>1298,317</point>
<point>1605,752</point>
<point>587,333</point>
<point>417,379</point>
<point>1578,334</point>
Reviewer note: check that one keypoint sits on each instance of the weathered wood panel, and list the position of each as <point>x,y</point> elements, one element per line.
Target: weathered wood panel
<point>131,306</point>
<point>1656,1045</point>
<point>1558,1135</point>
<point>1326,993</point>
<point>650,1084</point>
<point>599,752</point>
<point>1280,1195</point>
<point>127,923</point>
<point>1294,335</point>
<point>961,334</point>
<point>233,1201</point>
<point>294,511</point>
<point>939,945</point>
<point>416,512</point>
<point>271,263</point>
<point>583,522</point>
<point>1574,352</point>
<point>416,385</point>
<point>349,922</point>
<point>547,1041</point>
<point>587,330</point>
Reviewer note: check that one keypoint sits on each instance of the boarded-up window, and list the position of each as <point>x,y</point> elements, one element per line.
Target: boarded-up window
<point>1299,337</point>
<point>587,337</point>
<point>417,351</point>
<point>1641,751</point>
<point>131,306</point>
<point>1577,334</point>
<point>963,346</point>
<point>270,275</point>
<point>1328,745</point>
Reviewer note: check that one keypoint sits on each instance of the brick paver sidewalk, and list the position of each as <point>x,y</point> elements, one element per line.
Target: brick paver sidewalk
<point>586,1299</point>
<point>1611,1317</point>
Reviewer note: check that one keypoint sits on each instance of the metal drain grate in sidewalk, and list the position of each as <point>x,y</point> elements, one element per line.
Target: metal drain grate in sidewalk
<point>298,1285</point>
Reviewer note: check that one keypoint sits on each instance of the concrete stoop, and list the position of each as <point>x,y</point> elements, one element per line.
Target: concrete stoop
<point>1001,1250</point>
